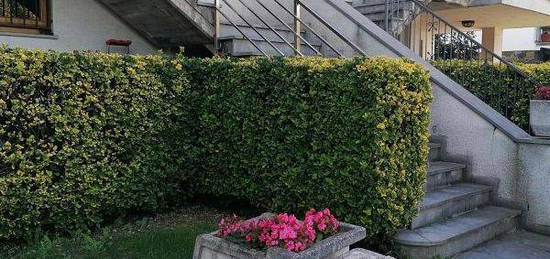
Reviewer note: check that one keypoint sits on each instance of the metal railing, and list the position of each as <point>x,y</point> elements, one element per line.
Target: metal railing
<point>24,14</point>
<point>299,41</point>
<point>433,38</point>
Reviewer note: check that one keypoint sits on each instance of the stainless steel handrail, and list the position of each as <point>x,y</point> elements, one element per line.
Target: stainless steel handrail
<point>309,28</point>
<point>254,28</point>
<point>271,28</point>
<point>240,31</point>
<point>288,27</point>
<point>331,28</point>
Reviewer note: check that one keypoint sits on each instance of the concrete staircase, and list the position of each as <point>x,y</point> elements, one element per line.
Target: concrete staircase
<point>169,24</point>
<point>455,216</point>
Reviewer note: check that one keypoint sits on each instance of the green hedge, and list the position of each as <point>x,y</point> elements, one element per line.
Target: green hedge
<point>496,85</point>
<point>85,137</point>
<point>540,72</point>
<point>82,138</point>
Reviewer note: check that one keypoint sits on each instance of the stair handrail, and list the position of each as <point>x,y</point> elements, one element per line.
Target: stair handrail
<point>254,28</point>
<point>473,41</point>
<point>299,19</point>
<point>298,4</point>
<point>297,51</point>
<point>471,47</point>
<point>297,34</point>
<point>391,8</point>
<point>331,28</point>
<point>220,11</point>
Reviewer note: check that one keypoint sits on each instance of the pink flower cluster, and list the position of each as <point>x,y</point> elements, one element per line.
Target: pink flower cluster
<point>283,230</point>
<point>323,220</point>
<point>543,92</point>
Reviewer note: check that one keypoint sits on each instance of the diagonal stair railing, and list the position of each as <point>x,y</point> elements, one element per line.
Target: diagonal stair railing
<point>435,39</point>
<point>233,11</point>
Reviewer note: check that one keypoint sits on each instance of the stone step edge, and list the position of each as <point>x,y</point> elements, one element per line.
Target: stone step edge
<point>433,145</point>
<point>278,28</point>
<point>503,214</point>
<point>279,41</point>
<point>479,189</point>
<point>446,167</point>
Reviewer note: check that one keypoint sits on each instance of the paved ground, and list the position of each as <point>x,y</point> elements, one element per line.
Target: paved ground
<point>520,245</point>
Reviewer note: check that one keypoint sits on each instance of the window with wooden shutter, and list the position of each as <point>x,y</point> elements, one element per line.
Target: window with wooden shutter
<point>25,16</point>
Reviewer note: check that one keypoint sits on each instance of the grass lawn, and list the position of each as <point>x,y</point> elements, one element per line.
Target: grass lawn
<point>169,235</point>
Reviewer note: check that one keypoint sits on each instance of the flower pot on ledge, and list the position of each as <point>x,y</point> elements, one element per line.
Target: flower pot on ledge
<point>209,246</point>
<point>540,117</point>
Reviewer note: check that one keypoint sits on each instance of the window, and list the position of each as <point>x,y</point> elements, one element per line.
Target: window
<point>24,16</point>
<point>544,35</point>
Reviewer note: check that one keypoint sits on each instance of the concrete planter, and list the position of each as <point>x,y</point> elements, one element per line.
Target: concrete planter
<point>208,246</point>
<point>540,117</point>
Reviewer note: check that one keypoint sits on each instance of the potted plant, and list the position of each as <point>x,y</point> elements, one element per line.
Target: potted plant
<point>540,112</point>
<point>281,236</point>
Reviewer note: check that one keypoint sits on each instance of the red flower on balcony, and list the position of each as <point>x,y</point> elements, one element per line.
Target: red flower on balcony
<point>543,93</point>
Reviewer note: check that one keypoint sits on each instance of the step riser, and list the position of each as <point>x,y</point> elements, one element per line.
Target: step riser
<point>242,47</point>
<point>368,2</point>
<point>443,179</point>
<point>434,153</point>
<point>371,9</point>
<point>464,242</point>
<point>382,16</point>
<point>228,31</point>
<point>450,209</point>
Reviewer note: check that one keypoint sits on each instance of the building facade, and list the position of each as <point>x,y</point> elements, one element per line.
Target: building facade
<point>528,45</point>
<point>66,25</point>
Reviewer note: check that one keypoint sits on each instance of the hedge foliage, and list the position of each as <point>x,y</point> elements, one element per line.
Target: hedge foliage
<point>499,87</point>
<point>85,137</point>
<point>82,137</point>
<point>541,72</point>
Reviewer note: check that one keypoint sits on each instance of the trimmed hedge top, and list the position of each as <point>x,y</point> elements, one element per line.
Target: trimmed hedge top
<point>84,137</point>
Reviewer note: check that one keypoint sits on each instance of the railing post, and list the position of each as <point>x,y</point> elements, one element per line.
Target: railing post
<point>216,27</point>
<point>387,17</point>
<point>297,27</point>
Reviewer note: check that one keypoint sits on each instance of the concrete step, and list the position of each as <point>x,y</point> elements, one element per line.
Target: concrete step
<point>521,244</point>
<point>435,151</point>
<point>241,47</point>
<point>450,201</point>
<point>375,16</point>
<point>360,253</point>
<point>227,31</point>
<point>380,8</point>
<point>442,174</point>
<point>166,23</point>
<point>457,234</point>
<point>368,2</point>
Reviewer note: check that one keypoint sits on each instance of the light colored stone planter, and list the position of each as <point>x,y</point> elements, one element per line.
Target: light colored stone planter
<point>540,117</point>
<point>208,246</point>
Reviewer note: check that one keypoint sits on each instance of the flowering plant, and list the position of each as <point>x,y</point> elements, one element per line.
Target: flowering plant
<point>282,230</point>
<point>543,92</point>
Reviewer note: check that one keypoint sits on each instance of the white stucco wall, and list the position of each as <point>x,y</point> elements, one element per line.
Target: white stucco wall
<point>520,39</point>
<point>490,155</point>
<point>535,181</point>
<point>81,25</point>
